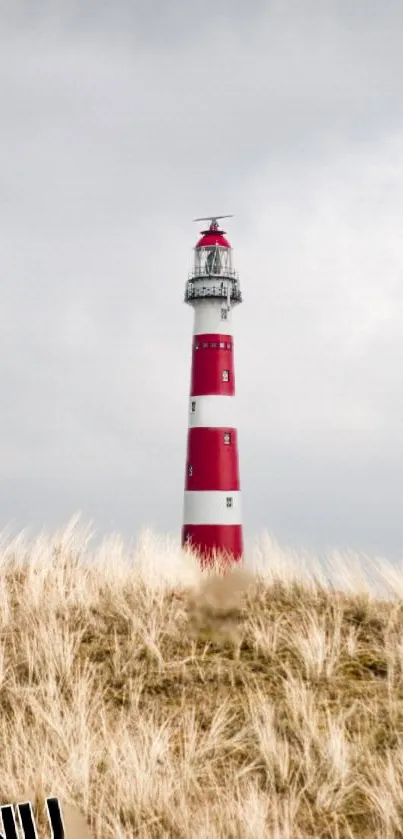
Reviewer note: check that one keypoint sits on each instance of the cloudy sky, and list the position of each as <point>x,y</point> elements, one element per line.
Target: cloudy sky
<point>121,122</point>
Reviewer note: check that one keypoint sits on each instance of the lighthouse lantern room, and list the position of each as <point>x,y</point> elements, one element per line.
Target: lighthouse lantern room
<point>212,504</point>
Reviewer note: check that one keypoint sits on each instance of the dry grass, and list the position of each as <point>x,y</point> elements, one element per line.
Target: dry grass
<point>164,703</point>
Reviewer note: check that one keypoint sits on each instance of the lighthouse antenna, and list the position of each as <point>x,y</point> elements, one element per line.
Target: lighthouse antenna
<point>213,219</point>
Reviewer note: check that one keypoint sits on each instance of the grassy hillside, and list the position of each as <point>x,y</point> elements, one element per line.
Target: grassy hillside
<point>163,703</point>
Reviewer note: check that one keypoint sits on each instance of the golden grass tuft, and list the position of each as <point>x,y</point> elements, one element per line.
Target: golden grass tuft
<point>165,703</point>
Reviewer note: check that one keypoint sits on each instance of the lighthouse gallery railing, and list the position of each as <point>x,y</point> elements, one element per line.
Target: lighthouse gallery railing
<point>192,292</point>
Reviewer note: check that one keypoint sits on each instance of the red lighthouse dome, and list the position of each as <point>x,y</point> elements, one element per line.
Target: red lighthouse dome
<point>213,236</point>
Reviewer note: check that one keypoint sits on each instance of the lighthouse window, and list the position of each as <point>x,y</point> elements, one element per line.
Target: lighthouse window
<point>229,501</point>
<point>222,345</point>
<point>205,345</point>
<point>196,345</point>
<point>213,344</point>
<point>228,346</point>
<point>224,314</point>
<point>225,375</point>
<point>227,438</point>
<point>193,407</point>
<point>190,471</point>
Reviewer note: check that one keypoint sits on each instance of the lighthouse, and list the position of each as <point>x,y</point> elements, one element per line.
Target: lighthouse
<point>212,516</point>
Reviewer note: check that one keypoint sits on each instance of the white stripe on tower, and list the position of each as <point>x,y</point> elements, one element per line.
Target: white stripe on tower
<point>212,412</point>
<point>208,318</point>
<point>214,507</point>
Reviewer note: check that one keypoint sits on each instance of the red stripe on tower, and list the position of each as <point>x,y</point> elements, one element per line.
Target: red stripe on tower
<point>207,538</point>
<point>212,506</point>
<point>212,366</point>
<point>212,460</point>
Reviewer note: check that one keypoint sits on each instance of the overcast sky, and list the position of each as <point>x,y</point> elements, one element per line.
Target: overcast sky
<point>121,122</point>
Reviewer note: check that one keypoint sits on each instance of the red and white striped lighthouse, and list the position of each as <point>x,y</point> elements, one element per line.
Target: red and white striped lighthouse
<point>212,520</point>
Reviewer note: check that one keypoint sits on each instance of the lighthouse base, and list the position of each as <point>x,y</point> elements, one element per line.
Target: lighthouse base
<point>208,540</point>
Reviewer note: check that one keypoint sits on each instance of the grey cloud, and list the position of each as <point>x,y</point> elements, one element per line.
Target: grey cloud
<point>120,123</point>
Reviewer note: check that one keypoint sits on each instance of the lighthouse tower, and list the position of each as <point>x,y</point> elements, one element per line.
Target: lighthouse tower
<point>212,519</point>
